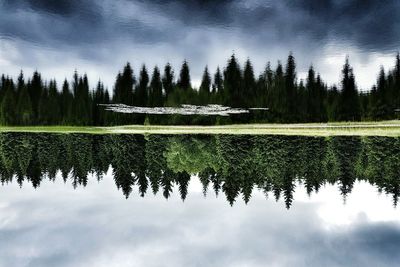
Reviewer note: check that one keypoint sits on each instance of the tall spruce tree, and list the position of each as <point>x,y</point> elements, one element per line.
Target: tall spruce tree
<point>349,105</point>
<point>156,94</point>
<point>8,104</point>
<point>205,83</point>
<point>123,88</point>
<point>141,93</point>
<point>218,87</point>
<point>66,99</point>
<point>168,80</point>
<point>184,77</point>
<point>24,112</point>
<point>35,91</point>
<point>249,84</point>
<point>233,84</point>
<point>290,86</point>
<point>53,104</point>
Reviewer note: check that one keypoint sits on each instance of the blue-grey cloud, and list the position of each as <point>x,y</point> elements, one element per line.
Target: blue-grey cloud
<point>95,226</point>
<point>111,32</point>
<point>368,24</point>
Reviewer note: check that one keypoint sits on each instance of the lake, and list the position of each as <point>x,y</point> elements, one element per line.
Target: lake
<point>198,200</point>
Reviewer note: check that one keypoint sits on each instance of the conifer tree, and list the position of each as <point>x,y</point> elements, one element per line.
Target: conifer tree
<point>156,95</point>
<point>53,105</point>
<point>290,86</point>
<point>66,99</point>
<point>8,105</point>
<point>123,89</point>
<point>24,111</point>
<point>44,111</point>
<point>205,82</point>
<point>168,80</point>
<point>349,105</point>
<point>233,83</point>
<point>218,82</point>
<point>249,84</point>
<point>35,91</point>
<point>184,77</point>
<point>142,88</point>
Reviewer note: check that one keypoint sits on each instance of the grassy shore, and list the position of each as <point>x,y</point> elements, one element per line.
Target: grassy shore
<point>382,128</point>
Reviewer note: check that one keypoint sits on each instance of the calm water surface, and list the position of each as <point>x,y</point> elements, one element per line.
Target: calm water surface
<point>133,200</point>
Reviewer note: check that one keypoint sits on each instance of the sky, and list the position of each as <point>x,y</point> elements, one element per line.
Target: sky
<point>98,37</point>
<point>55,225</point>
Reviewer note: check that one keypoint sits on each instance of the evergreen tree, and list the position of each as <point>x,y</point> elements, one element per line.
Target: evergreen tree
<point>66,99</point>
<point>156,95</point>
<point>249,84</point>
<point>44,111</point>
<point>233,84</point>
<point>21,83</point>
<point>99,98</point>
<point>184,77</point>
<point>35,91</point>
<point>218,82</point>
<point>53,105</point>
<point>205,87</point>
<point>277,95</point>
<point>349,105</point>
<point>168,80</point>
<point>123,89</point>
<point>141,93</point>
<point>396,86</point>
<point>8,105</point>
<point>24,108</point>
<point>290,86</point>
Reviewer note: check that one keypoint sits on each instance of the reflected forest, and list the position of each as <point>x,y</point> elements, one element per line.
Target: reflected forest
<point>231,165</point>
<point>34,101</point>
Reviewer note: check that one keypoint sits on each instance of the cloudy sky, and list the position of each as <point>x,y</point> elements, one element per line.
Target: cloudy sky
<point>99,36</point>
<point>56,225</point>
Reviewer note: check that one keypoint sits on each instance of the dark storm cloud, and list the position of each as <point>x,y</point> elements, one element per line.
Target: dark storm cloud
<point>366,23</point>
<point>369,24</point>
<point>94,226</point>
<point>57,36</point>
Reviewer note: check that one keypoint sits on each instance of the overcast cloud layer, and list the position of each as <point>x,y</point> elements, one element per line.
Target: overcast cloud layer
<point>99,37</point>
<point>56,225</point>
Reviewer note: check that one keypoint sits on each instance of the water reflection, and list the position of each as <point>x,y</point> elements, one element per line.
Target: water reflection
<point>225,164</point>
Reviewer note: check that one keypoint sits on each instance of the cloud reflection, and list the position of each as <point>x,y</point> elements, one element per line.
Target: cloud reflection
<point>93,226</point>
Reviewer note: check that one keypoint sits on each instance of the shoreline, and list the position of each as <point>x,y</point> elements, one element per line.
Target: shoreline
<point>382,128</point>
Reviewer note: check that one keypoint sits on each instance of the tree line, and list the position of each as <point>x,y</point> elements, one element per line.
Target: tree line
<point>38,102</point>
<point>164,164</point>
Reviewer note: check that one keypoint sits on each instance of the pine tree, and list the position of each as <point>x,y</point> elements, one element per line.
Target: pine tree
<point>21,83</point>
<point>233,83</point>
<point>204,91</point>
<point>277,95</point>
<point>218,82</point>
<point>396,86</point>
<point>168,80</point>
<point>8,105</point>
<point>290,85</point>
<point>66,99</point>
<point>44,111</point>
<point>156,95</point>
<point>35,91</point>
<point>349,105</point>
<point>249,84</point>
<point>141,94</point>
<point>24,108</point>
<point>184,77</point>
<point>123,89</point>
<point>53,105</point>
